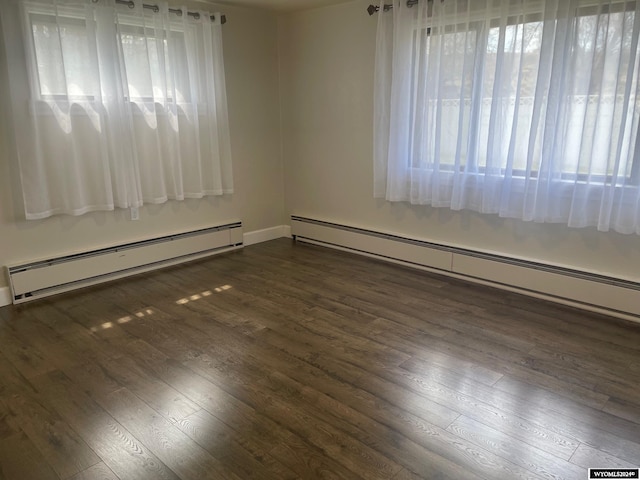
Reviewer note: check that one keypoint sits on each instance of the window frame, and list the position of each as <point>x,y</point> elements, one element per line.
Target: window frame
<point>530,15</point>
<point>35,12</point>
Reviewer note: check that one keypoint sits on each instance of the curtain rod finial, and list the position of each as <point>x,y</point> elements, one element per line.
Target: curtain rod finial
<point>371,9</point>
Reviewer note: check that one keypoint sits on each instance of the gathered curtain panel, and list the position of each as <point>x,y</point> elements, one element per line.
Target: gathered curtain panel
<point>113,106</point>
<point>528,109</point>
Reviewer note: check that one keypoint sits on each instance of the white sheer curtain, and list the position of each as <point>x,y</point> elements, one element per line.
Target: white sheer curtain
<point>115,106</point>
<point>524,108</point>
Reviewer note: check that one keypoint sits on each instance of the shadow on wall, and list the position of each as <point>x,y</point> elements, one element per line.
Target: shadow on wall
<point>11,209</point>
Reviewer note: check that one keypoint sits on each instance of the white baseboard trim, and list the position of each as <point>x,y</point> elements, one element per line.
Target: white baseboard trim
<point>582,289</point>
<point>249,238</point>
<point>5,296</point>
<point>40,278</point>
<point>266,234</point>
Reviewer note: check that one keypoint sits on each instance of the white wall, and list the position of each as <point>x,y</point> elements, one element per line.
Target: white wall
<point>326,69</point>
<point>250,50</point>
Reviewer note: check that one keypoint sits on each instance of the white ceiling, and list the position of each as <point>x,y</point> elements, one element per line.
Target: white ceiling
<point>279,5</point>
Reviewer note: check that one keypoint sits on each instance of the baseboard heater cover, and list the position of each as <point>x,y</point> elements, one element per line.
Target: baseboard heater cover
<point>37,279</point>
<point>618,297</point>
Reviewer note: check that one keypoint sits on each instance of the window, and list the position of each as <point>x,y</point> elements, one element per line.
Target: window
<point>126,105</point>
<point>525,109</point>
<point>62,52</point>
<point>518,44</point>
<point>60,75</point>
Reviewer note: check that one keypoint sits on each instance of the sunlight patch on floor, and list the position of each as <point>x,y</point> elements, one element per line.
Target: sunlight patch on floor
<point>198,296</point>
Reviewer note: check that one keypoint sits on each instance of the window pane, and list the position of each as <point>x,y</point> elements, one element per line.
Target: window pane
<point>141,63</point>
<point>62,57</point>
<point>149,64</point>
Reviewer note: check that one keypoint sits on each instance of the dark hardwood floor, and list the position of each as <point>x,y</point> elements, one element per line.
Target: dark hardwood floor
<point>285,361</point>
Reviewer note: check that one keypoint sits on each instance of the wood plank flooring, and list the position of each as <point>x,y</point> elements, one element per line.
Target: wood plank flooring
<point>291,361</point>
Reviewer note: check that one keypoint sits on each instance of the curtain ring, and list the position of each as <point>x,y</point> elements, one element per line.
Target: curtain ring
<point>131,4</point>
<point>156,9</point>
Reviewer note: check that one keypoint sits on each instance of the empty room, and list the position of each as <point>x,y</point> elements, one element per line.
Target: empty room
<point>319,239</point>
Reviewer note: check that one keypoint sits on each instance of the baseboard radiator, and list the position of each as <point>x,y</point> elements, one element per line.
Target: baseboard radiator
<point>582,289</point>
<point>37,279</point>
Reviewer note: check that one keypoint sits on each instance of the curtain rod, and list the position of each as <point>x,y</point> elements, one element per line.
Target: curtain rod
<point>177,11</point>
<point>371,9</point>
